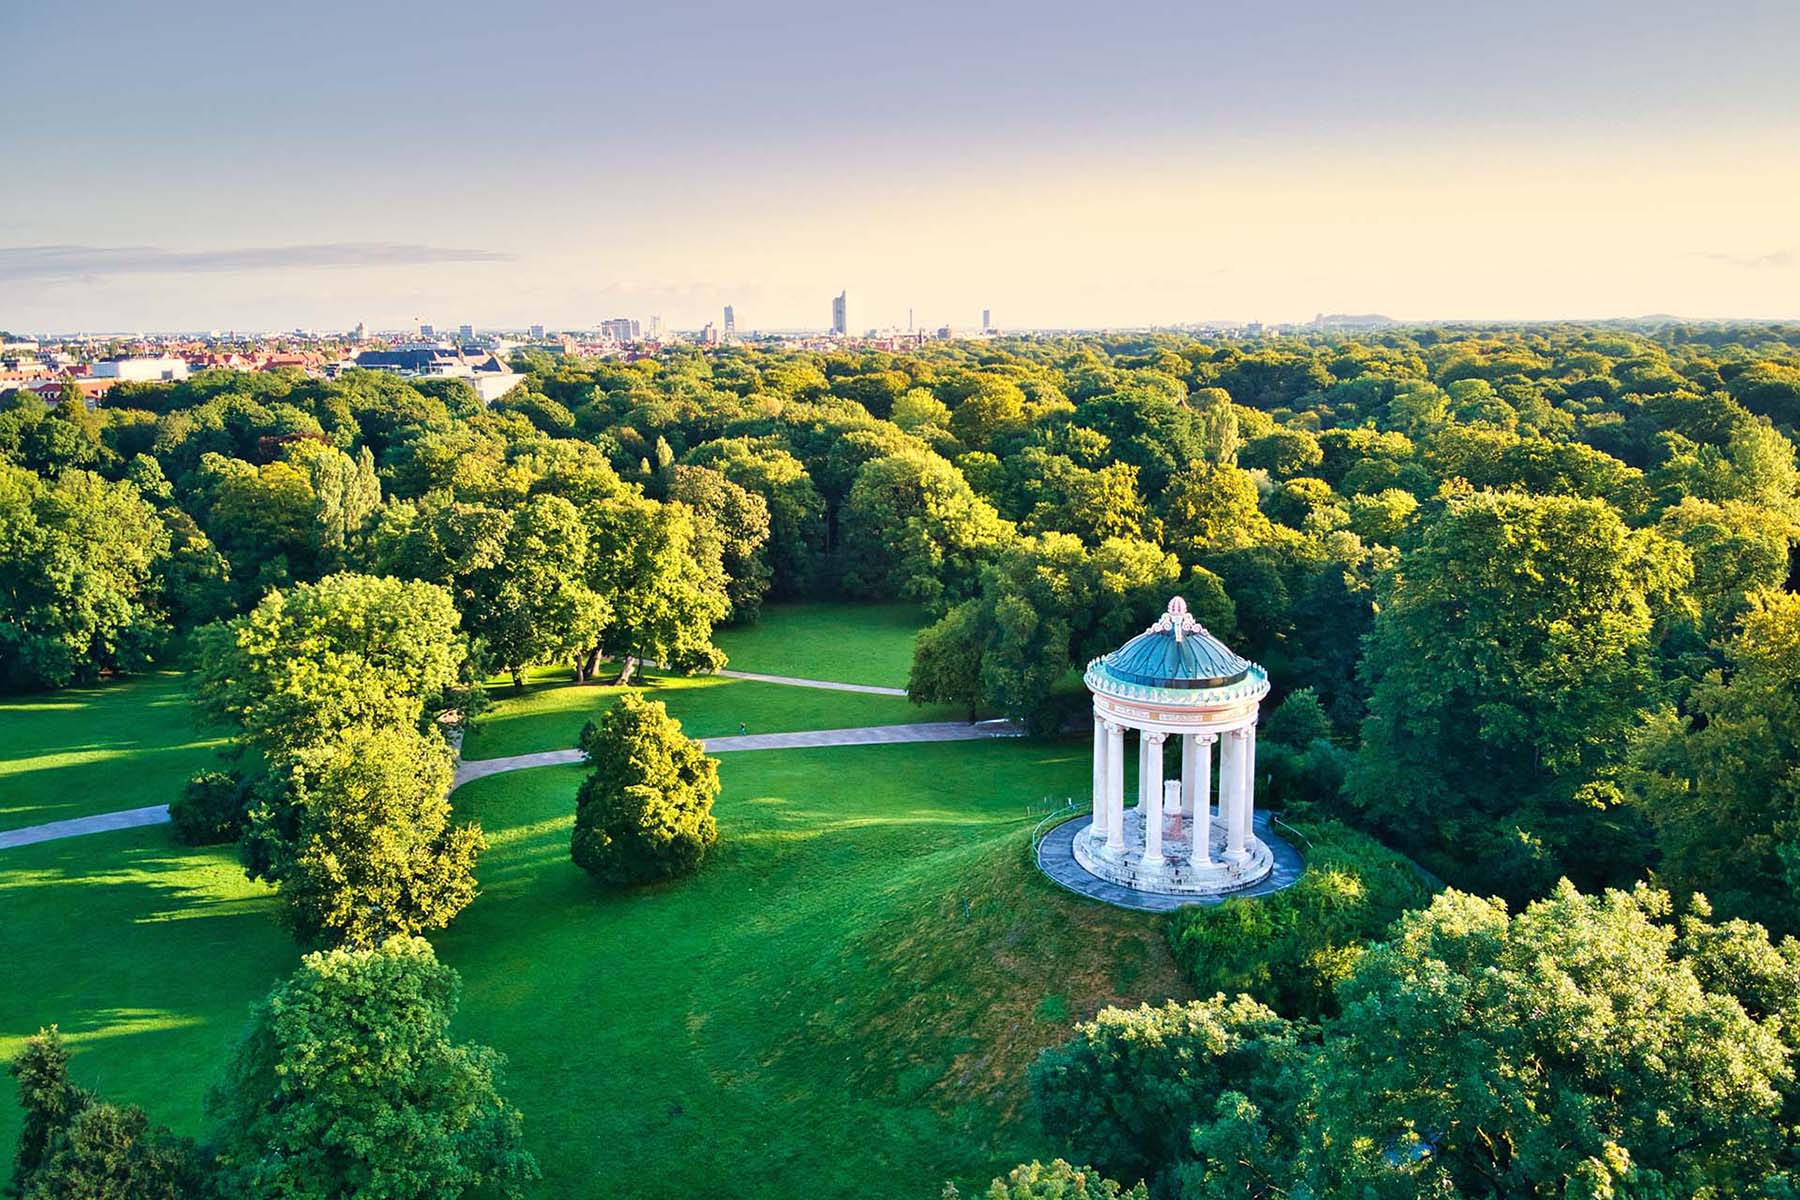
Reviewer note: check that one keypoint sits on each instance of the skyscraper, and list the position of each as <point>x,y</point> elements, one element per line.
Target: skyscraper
<point>987,320</point>
<point>730,321</point>
<point>467,331</point>
<point>537,333</point>
<point>840,317</point>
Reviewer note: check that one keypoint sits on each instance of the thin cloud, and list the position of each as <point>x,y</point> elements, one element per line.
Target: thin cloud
<point>1775,260</point>
<point>75,262</point>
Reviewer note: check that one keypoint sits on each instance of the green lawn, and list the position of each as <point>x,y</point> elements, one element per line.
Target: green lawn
<point>89,750</point>
<point>845,643</point>
<point>549,712</point>
<point>841,1003</point>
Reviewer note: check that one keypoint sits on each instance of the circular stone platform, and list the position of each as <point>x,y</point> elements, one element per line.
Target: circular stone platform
<point>1175,874</point>
<point>1057,857</point>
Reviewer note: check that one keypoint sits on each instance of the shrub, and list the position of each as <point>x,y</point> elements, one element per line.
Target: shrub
<point>209,810</point>
<point>645,813</point>
<point>1291,949</point>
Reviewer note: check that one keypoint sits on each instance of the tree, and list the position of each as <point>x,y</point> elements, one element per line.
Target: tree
<point>49,1101</point>
<point>533,603</point>
<point>357,838</point>
<point>644,562</point>
<point>739,519</point>
<point>73,1146</point>
<point>78,564</point>
<point>1570,1050</point>
<point>1058,1181</point>
<point>912,528</point>
<point>1510,656</point>
<point>1723,788</point>
<point>1129,1087</point>
<point>1292,949</point>
<point>1208,508</point>
<point>644,813</point>
<point>1045,604</point>
<point>1738,550</point>
<point>347,1084</point>
<point>315,660</point>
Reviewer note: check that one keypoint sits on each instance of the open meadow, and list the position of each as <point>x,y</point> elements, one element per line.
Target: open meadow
<point>842,1002</point>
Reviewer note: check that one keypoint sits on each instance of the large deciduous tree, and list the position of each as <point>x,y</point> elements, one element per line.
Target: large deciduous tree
<point>347,1084</point>
<point>644,812</point>
<point>1509,659</point>
<point>357,837</point>
<point>1723,787</point>
<point>315,660</point>
<point>78,578</point>
<point>664,596</point>
<point>913,529</point>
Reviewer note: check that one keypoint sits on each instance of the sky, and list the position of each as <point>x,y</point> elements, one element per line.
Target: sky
<point>198,164</point>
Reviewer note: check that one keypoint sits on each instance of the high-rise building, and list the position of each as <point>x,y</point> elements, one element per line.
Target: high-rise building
<point>537,333</point>
<point>730,321</point>
<point>655,327</point>
<point>710,335</point>
<point>426,331</point>
<point>360,333</point>
<point>840,316</point>
<point>987,320</point>
<point>467,331</point>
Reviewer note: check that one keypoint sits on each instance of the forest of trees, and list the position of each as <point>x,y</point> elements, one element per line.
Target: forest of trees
<point>1536,586</point>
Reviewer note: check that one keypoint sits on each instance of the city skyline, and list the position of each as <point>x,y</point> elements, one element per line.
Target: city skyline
<point>1169,166</point>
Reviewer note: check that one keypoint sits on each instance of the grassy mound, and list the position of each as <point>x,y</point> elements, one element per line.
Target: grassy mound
<point>842,1002</point>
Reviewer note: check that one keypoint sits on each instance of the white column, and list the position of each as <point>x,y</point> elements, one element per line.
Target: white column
<point>1250,783</point>
<point>1153,798</point>
<point>1099,825</point>
<point>1231,794</point>
<point>1143,767</point>
<point>1115,787</point>
<point>1201,854</point>
<point>1189,769</point>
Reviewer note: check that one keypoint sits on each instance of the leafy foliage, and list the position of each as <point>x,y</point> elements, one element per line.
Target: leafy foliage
<point>644,813</point>
<point>346,1083</point>
<point>1292,949</point>
<point>357,836</point>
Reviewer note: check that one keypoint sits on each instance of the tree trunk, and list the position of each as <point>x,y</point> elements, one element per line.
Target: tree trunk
<point>626,667</point>
<point>518,677</point>
<point>587,665</point>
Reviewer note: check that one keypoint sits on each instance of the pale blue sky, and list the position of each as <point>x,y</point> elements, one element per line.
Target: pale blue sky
<point>197,164</point>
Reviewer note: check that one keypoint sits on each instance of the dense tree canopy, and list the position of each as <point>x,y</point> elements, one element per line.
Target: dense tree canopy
<point>346,1083</point>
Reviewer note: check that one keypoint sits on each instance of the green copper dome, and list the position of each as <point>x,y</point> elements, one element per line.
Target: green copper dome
<point>1176,652</point>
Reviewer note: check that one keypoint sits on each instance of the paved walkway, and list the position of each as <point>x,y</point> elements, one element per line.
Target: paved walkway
<point>1056,858</point>
<point>829,686</point>
<point>868,735</point>
<point>130,818</point>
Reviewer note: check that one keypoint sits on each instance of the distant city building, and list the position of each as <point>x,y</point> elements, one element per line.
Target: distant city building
<point>490,377</point>
<point>840,314</point>
<point>537,333</point>
<point>467,331</point>
<point>427,331</point>
<point>360,333</point>
<point>709,336</point>
<point>655,326</point>
<point>620,329</point>
<point>140,370</point>
<point>730,322</point>
<point>987,320</point>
